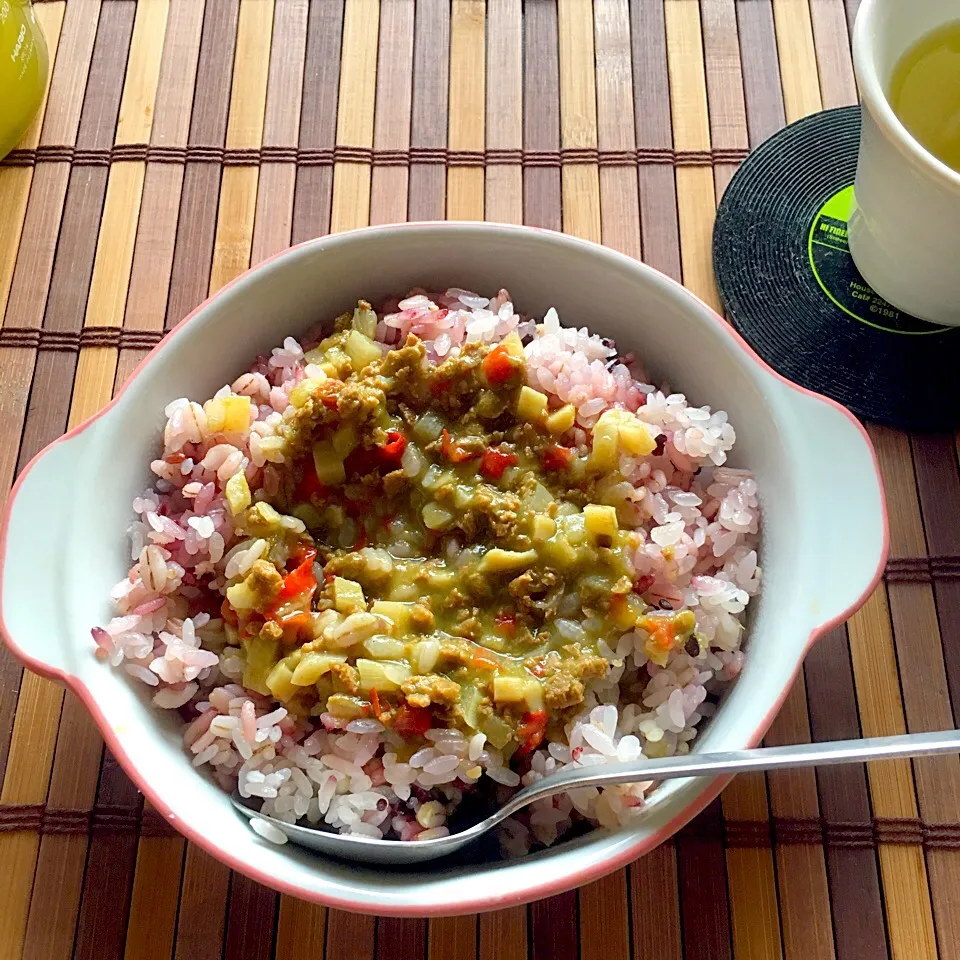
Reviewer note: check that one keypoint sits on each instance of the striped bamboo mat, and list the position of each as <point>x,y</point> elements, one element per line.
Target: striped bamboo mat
<point>183,140</point>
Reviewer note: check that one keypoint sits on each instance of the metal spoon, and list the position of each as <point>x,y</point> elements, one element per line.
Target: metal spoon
<point>369,850</point>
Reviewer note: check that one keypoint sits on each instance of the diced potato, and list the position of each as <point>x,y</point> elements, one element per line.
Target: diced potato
<point>397,613</point>
<point>384,648</point>
<point>497,731</point>
<point>361,350</point>
<point>544,527</point>
<point>636,437</point>
<point>236,414</point>
<point>344,440</point>
<point>348,595</point>
<point>436,517</point>
<point>600,522</point>
<point>509,689</point>
<point>383,676</point>
<point>272,449</point>
<point>560,421</point>
<point>513,345</point>
<point>313,666</point>
<point>260,657</point>
<point>241,597</point>
<point>237,492</point>
<point>502,561</point>
<point>606,434</point>
<point>215,415</point>
<point>531,405</point>
<point>328,465</point>
<point>533,695</point>
<point>280,682</point>
<point>305,389</point>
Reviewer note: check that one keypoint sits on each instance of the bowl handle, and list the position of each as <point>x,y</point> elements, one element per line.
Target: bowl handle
<point>847,542</point>
<point>35,536</point>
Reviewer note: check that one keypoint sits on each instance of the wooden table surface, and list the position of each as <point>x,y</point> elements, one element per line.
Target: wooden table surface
<point>183,140</point>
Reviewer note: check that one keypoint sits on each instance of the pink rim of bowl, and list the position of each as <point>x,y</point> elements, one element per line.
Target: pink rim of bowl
<point>484,902</point>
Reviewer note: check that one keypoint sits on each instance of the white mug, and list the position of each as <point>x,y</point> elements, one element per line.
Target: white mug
<point>904,231</point>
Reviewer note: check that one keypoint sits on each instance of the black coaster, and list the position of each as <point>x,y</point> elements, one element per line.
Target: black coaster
<point>792,290</point>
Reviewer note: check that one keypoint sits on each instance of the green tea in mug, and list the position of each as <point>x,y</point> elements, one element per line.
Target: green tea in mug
<point>925,92</point>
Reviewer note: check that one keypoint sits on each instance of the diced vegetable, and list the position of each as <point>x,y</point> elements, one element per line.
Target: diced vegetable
<point>513,345</point>
<point>361,350</point>
<point>384,675</point>
<point>305,389</point>
<point>412,721</point>
<point>428,428</point>
<point>301,580</point>
<point>600,522</point>
<point>538,500</point>
<point>560,421</point>
<point>453,451</point>
<point>531,404</point>
<point>495,461</point>
<point>260,656</point>
<point>384,648</point>
<point>507,623</point>
<point>213,409</point>
<point>636,437</point>
<point>365,320</point>
<point>344,440</point>
<point>625,610</point>
<point>280,682</point>
<point>498,365</point>
<point>398,613</point>
<point>470,698</point>
<point>500,561</point>
<point>603,455</point>
<point>436,517</point>
<point>558,552</point>
<point>485,660</point>
<point>509,689</point>
<point>392,450</point>
<point>557,457</point>
<point>348,595</point>
<point>241,597</point>
<point>497,731</point>
<point>237,492</point>
<point>313,666</point>
<point>328,466</point>
<point>236,414</point>
<point>530,733</point>
<point>666,631</point>
<point>544,527</point>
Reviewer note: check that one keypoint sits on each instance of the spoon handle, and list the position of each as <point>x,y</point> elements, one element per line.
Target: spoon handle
<point>739,761</point>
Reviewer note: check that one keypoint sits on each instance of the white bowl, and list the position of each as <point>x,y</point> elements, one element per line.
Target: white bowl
<point>824,528</point>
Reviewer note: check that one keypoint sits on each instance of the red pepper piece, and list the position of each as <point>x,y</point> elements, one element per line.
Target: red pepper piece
<point>507,622</point>
<point>301,580</point>
<point>310,485</point>
<point>498,365</point>
<point>412,721</point>
<point>392,450</point>
<point>495,461</point>
<point>557,457</point>
<point>375,703</point>
<point>530,733</point>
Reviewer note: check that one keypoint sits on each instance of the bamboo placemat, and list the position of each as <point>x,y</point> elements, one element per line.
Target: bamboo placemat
<point>183,140</point>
